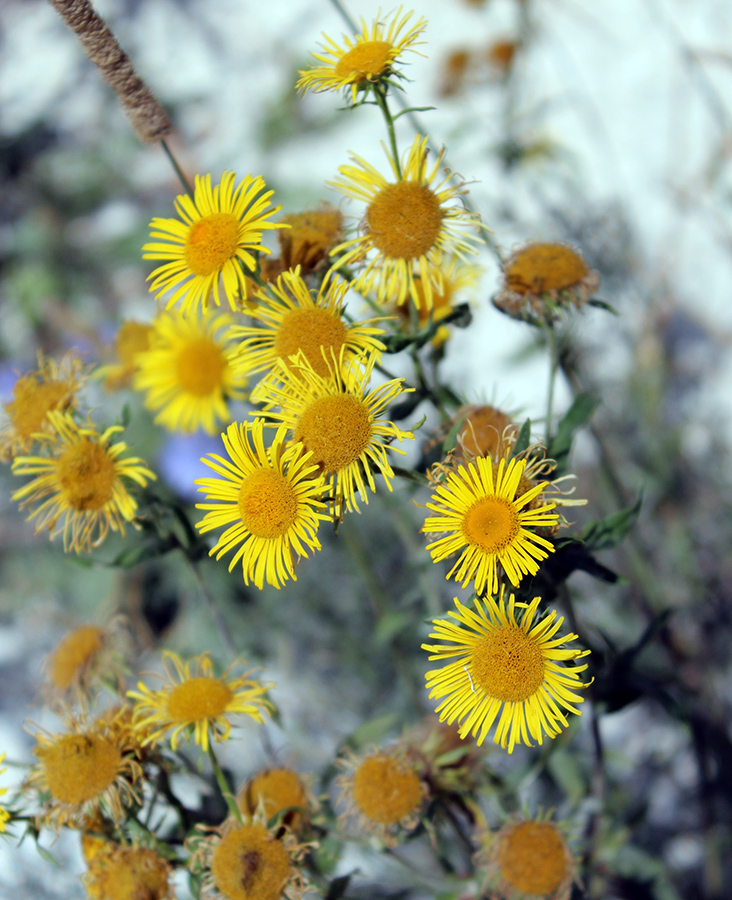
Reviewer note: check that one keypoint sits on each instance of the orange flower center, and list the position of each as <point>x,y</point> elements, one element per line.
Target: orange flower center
<point>127,872</point>
<point>86,474</point>
<point>482,432</point>
<point>276,789</point>
<point>336,429</point>
<point>197,699</point>
<point>544,267</point>
<point>386,791</point>
<point>508,664</point>
<point>79,767</point>
<point>73,654</point>
<point>312,331</point>
<point>32,400</point>
<point>249,864</point>
<point>491,524</point>
<point>533,858</point>
<point>211,242</point>
<point>200,365</point>
<point>404,220</point>
<point>267,504</point>
<point>310,238</point>
<point>369,59</point>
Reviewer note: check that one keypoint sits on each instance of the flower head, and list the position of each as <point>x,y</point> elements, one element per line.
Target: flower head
<point>187,374</point>
<point>83,657</point>
<point>291,320</point>
<point>310,238</point>
<point>216,241</point>
<point>194,703</point>
<point>81,484</point>
<point>411,224</point>
<point>268,498</point>
<point>277,791</point>
<point>128,873</point>
<point>541,279</point>
<point>365,58</point>
<point>337,420</point>
<point>485,431</point>
<point>132,339</point>
<point>381,793</point>
<point>53,386</point>
<point>482,514</point>
<point>504,665</point>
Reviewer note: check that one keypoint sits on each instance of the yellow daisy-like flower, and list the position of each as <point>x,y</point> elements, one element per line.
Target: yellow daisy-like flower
<point>310,238</point>
<point>507,666</point>
<point>336,420</point>
<point>187,374</point>
<point>217,241</point>
<point>482,514</point>
<point>276,791</point>
<point>364,58</point>
<point>132,339</point>
<point>51,387</point>
<point>86,770</point>
<point>80,487</point>
<point>268,498</point>
<point>294,321</point>
<point>128,873</point>
<point>194,703</point>
<point>84,657</point>
<point>410,226</point>
<point>381,793</point>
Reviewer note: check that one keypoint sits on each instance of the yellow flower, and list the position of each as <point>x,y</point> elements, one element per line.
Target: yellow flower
<point>128,873</point>
<point>528,859</point>
<point>277,790</point>
<point>505,666</point>
<point>89,769</point>
<point>132,339</point>
<point>365,58</point>
<point>337,421</point>
<point>52,386</point>
<point>82,483</point>
<point>268,498</point>
<point>310,238</point>
<point>410,226</point>
<point>479,510</point>
<point>83,657</point>
<point>194,703</point>
<point>293,320</point>
<point>217,239</point>
<point>4,814</point>
<point>187,373</point>
<point>381,793</point>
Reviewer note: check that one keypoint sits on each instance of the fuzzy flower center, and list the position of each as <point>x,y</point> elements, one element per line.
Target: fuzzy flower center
<point>32,400</point>
<point>369,59</point>
<point>310,237</point>
<point>386,791</point>
<point>532,858</point>
<point>132,338</point>
<point>312,331</point>
<point>404,220</point>
<point>277,789</point>
<point>200,366</point>
<point>211,242</point>
<point>508,664</point>
<point>267,504</point>
<point>86,474</point>
<point>249,864</point>
<point>74,652</point>
<point>482,432</point>
<point>544,267</point>
<point>197,699</point>
<point>126,872</point>
<point>79,767</point>
<point>336,429</point>
<point>491,524</point>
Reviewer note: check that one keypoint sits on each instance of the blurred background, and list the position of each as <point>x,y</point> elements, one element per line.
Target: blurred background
<point>604,123</point>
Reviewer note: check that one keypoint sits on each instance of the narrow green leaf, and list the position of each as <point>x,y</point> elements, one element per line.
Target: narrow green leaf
<point>610,531</point>
<point>578,414</point>
<point>523,440</point>
<point>452,435</point>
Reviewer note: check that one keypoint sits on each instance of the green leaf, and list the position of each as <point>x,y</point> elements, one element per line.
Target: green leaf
<point>338,887</point>
<point>390,624</point>
<point>327,853</point>
<point>578,414</point>
<point>452,435</point>
<point>523,439</point>
<point>610,531</point>
<point>603,304</point>
<point>373,731</point>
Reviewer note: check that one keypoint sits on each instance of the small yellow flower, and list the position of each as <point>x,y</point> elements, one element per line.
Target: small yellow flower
<point>336,420</point>
<point>81,483</point>
<point>132,339</point>
<point>217,241</point>
<point>268,498</point>
<point>365,58</point>
<point>381,793</point>
<point>83,657</point>
<point>51,387</point>
<point>277,791</point>
<point>482,514</point>
<point>128,873</point>
<point>187,374</point>
<point>194,703</point>
<point>410,226</point>
<point>310,238</point>
<point>290,320</point>
<point>507,666</point>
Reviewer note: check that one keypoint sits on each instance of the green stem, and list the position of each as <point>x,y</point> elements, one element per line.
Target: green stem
<point>223,786</point>
<point>380,95</point>
<point>552,346</point>
<point>178,171</point>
